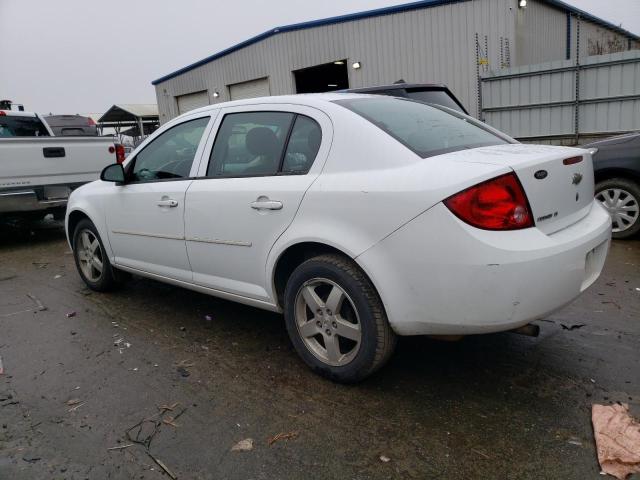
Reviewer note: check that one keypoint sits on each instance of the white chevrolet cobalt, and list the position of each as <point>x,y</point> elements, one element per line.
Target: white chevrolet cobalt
<point>360,217</point>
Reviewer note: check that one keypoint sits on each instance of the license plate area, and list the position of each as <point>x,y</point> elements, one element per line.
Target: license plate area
<point>593,263</point>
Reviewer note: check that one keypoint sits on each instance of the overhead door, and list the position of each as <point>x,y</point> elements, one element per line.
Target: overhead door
<point>251,89</point>
<point>191,101</point>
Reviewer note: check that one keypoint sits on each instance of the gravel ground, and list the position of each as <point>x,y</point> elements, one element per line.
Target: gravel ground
<point>84,368</point>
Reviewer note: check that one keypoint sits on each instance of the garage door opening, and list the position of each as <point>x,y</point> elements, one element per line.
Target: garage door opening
<point>322,78</point>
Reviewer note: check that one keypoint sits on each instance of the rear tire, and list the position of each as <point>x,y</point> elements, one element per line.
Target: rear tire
<point>91,260</point>
<point>621,198</point>
<point>336,319</point>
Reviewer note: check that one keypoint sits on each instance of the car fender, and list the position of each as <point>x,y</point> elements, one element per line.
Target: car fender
<point>81,201</point>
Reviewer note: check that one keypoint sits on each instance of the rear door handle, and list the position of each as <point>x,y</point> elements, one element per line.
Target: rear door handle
<point>263,203</point>
<point>168,203</point>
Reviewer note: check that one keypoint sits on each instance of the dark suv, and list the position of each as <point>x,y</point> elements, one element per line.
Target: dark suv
<point>424,92</point>
<point>616,164</point>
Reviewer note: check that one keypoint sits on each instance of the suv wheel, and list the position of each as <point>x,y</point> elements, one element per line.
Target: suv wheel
<point>621,198</point>
<point>336,319</point>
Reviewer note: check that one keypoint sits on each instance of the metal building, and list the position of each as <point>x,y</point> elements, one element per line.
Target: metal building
<point>445,41</point>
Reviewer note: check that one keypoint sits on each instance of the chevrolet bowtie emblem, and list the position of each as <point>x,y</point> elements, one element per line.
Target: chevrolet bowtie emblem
<point>577,178</point>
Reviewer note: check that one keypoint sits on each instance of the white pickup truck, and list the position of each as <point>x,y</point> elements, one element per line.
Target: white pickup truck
<point>38,171</point>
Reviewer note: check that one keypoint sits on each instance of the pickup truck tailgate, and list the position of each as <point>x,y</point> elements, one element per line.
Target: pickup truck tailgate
<point>37,161</point>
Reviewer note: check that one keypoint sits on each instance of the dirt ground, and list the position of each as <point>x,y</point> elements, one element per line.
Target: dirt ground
<point>82,368</point>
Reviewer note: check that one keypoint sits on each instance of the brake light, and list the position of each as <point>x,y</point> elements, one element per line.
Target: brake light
<point>497,204</point>
<point>90,121</point>
<point>120,154</point>
<point>2,114</point>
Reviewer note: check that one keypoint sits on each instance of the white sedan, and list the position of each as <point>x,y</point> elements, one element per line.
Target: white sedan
<point>359,217</point>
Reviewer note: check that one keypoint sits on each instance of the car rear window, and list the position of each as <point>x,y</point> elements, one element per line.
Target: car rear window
<point>427,130</point>
<point>19,126</point>
<point>439,97</point>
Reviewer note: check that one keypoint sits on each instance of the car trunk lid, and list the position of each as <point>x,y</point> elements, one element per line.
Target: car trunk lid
<point>558,181</point>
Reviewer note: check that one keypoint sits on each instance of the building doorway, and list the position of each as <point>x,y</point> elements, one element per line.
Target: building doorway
<point>322,78</point>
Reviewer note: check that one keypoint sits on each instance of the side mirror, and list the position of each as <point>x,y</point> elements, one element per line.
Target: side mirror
<point>113,173</point>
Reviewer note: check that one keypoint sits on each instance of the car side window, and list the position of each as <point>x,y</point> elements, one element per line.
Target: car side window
<point>303,145</point>
<point>171,154</point>
<point>250,144</point>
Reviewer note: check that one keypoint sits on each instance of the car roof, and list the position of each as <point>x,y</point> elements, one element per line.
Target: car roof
<point>398,86</point>
<point>308,99</point>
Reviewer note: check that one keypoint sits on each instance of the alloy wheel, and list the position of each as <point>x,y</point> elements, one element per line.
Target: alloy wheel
<point>621,205</point>
<point>90,255</point>
<point>328,322</point>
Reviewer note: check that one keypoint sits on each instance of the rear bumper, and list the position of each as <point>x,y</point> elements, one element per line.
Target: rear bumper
<point>439,276</point>
<point>26,201</point>
<point>35,199</point>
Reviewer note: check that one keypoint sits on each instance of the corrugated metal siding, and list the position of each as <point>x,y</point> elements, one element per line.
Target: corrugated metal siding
<point>520,100</point>
<point>541,34</point>
<point>431,45</point>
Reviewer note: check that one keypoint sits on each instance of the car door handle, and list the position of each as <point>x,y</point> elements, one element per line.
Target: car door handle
<point>266,204</point>
<point>168,203</point>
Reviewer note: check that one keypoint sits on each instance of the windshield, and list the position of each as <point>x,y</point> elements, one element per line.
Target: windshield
<point>427,130</point>
<point>21,127</point>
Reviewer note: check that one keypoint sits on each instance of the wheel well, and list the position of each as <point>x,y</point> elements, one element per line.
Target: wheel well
<point>74,219</point>
<point>294,256</point>
<point>601,175</point>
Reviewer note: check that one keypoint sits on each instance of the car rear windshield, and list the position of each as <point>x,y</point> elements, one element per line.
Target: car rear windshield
<point>439,97</point>
<point>427,130</point>
<point>19,126</point>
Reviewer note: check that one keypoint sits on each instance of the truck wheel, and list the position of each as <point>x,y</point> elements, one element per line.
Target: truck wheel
<point>336,319</point>
<point>621,198</point>
<point>91,260</point>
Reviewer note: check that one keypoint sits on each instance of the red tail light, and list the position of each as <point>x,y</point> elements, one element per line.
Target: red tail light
<point>497,204</point>
<point>120,153</point>
<point>90,121</point>
<point>3,114</point>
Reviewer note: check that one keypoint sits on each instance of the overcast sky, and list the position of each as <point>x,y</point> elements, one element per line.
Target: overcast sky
<point>80,56</point>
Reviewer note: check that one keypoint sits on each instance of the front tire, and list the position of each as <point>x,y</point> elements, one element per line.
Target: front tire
<point>621,198</point>
<point>91,260</point>
<point>336,319</point>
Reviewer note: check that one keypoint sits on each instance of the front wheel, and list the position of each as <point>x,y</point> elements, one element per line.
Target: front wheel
<point>336,319</point>
<point>91,260</point>
<point>621,198</point>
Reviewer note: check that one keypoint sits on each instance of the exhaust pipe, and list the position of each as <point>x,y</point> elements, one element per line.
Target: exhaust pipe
<point>529,330</point>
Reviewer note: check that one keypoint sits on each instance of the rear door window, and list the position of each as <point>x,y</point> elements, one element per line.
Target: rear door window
<point>427,130</point>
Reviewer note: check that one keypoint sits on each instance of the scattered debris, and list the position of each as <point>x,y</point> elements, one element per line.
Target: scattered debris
<point>183,372</point>
<point>75,407</point>
<point>572,327</point>
<point>73,401</point>
<point>162,466</point>
<point>182,367</point>
<point>145,430</point>
<point>120,447</point>
<point>183,329</point>
<point>575,442</point>
<point>481,453</point>
<point>384,459</point>
<point>208,318</point>
<point>30,458</point>
<point>38,303</point>
<point>71,314</point>
<point>614,304</point>
<point>55,277</point>
<point>617,439</point>
<point>243,445</point>
<point>40,264</point>
<point>282,436</point>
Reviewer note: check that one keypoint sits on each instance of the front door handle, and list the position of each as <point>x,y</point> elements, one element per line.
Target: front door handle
<point>263,203</point>
<point>169,202</point>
